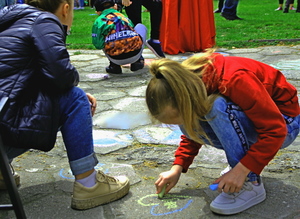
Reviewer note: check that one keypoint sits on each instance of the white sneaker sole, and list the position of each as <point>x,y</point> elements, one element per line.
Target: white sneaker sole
<point>225,210</point>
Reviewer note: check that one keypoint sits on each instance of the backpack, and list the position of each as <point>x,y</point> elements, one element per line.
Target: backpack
<point>122,39</point>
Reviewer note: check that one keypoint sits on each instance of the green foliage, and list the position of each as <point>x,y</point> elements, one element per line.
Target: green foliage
<point>262,26</point>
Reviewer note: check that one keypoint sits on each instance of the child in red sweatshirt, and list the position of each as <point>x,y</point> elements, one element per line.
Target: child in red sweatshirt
<point>240,105</point>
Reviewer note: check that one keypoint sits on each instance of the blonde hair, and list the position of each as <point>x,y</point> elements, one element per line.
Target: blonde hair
<point>180,86</point>
<point>47,5</point>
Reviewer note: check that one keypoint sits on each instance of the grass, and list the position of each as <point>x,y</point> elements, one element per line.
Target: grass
<point>262,26</point>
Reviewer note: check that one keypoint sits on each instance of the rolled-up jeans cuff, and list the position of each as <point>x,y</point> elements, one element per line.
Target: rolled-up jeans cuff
<point>84,164</point>
<point>253,177</point>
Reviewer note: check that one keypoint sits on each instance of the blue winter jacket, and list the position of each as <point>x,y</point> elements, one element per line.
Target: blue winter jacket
<point>35,70</point>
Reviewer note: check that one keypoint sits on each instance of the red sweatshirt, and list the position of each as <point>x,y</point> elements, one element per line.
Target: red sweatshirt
<point>264,95</point>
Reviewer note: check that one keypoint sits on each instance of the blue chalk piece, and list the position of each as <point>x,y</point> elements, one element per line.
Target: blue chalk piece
<point>213,187</point>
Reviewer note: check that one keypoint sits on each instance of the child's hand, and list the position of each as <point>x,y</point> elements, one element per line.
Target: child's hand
<point>233,180</point>
<point>126,3</point>
<point>169,178</point>
<point>93,102</point>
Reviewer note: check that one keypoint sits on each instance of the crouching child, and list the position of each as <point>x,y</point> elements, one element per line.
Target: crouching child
<point>121,41</point>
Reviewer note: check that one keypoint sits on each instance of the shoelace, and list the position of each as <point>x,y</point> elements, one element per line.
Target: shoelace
<point>108,178</point>
<point>246,186</point>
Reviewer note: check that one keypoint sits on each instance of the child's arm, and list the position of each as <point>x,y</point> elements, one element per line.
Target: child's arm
<point>186,153</point>
<point>184,157</point>
<point>99,31</point>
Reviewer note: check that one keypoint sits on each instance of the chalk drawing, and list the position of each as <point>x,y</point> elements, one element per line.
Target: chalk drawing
<point>170,204</point>
<point>106,142</point>
<point>161,134</point>
<point>288,65</point>
<point>98,76</point>
<point>111,138</point>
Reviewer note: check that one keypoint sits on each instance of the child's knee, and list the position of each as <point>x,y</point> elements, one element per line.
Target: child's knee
<point>219,105</point>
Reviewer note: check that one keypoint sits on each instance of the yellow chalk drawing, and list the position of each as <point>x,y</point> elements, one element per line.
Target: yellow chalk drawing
<point>169,201</point>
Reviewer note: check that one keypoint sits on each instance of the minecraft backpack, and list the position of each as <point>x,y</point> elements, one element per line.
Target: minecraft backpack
<point>122,39</point>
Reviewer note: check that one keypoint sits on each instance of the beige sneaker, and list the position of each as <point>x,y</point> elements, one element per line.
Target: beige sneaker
<point>2,183</point>
<point>107,189</point>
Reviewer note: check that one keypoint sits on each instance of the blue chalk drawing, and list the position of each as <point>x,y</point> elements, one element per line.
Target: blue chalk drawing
<point>174,137</point>
<point>106,142</point>
<point>111,139</point>
<point>148,136</point>
<point>169,201</point>
<point>64,176</point>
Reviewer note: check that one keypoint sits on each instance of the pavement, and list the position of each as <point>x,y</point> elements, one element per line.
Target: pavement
<point>127,143</point>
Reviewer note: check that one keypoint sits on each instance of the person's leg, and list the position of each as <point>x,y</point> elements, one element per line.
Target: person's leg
<point>113,68</point>
<point>134,12</point>
<point>81,4</point>
<point>230,8</point>
<point>91,188</point>
<point>141,29</point>
<point>229,135</point>
<point>76,129</point>
<point>298,6</point>
<point>236,133</point>
<point>233,128</point>
<point>293,125</point>
<point>280,6</point>
<point>155,8</point>
<point>286,7</point>
<point>220,6</point>
<point>76,4</point>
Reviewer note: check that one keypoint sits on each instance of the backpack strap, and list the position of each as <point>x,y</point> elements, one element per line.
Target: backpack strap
<point>119,23</point>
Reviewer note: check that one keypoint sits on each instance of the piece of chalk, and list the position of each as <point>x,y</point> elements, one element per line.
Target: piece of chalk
<point>213,187</point>
<point>162,193</point>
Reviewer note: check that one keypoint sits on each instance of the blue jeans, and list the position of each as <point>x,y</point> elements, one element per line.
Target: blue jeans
<point>230,7</point>
<point>77,131</point>
<point>4,3</point>
<point>231,130</point>
<point>81,3</point>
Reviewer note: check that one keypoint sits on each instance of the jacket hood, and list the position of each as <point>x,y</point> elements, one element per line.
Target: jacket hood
<point>10,14</point>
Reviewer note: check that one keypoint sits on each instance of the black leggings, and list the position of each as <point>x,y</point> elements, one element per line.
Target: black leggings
<point>287,1</point>
<point>134,13</point>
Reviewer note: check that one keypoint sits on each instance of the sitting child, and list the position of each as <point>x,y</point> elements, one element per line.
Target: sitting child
<point>121,42</point>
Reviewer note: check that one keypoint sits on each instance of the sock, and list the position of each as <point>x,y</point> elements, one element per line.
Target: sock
<point>155,41</point>
<point>89,181</point>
